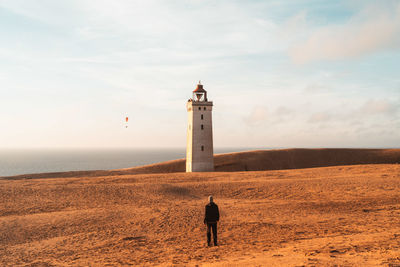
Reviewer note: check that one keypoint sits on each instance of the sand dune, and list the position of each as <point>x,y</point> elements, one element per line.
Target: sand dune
<point>283,159</point>
<point>259,160</point>
<point>279,208</point>
<point>341,215</point>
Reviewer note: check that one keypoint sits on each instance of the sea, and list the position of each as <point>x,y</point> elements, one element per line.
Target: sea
<point>27,161</point>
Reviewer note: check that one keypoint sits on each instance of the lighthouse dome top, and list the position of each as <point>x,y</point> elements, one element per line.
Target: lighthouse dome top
<point>199,94</point>
<point>199,88</point>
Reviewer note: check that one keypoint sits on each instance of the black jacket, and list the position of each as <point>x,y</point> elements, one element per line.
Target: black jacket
<point>212,213</point>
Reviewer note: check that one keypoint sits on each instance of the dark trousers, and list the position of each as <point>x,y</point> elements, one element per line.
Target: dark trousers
<point>214,231</point>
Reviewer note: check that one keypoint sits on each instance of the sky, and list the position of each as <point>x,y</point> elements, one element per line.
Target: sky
<point>280,73</point>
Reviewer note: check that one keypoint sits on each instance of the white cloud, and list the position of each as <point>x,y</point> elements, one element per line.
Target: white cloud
<point>375,28</point>
<point>46,11</point>
<point>316,88</point>
<point>257,116</point>
<point>294,24</point>
<point>320,117</point>
<point>260,115</point>
<point>283,111</point>
<point>367,112</point>
<point>376,107</point>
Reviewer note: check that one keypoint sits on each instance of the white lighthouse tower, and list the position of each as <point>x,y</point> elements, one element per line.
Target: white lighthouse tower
<point>199,148</point>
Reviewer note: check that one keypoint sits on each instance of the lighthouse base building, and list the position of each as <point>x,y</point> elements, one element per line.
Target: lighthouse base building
<point>199,148</point>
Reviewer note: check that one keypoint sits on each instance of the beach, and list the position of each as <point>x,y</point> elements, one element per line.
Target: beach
<point>321,216</point>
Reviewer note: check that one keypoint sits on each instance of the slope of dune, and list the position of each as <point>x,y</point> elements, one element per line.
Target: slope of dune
<point>329,216</point>
<point>258,160</point>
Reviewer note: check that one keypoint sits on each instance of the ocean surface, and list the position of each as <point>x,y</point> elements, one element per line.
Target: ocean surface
<point>18,161</point>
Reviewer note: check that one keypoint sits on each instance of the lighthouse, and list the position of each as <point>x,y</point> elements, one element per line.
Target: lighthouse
<point>199,147</point>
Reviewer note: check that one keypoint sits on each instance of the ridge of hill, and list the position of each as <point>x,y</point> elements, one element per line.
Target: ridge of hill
<point>256,160</point>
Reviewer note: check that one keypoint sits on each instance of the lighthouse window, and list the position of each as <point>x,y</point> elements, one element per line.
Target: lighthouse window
<point>199,108</point>
<point>201,116</point>
<point>202,127</point>
<point>202,148</point>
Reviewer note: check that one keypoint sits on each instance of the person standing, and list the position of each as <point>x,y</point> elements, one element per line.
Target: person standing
<point>211,219</point>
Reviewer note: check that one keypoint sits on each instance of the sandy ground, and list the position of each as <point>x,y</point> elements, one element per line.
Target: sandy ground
<point>342,215</point>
